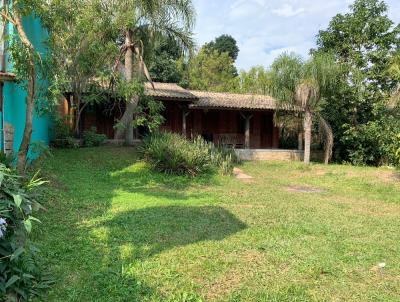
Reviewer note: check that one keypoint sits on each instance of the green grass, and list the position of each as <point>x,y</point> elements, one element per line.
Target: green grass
<point>115,231</point>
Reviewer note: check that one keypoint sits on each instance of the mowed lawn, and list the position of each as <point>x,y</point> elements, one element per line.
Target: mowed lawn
<point>115,231</point>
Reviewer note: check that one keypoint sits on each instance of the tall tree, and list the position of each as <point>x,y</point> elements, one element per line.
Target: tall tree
<point>225,43</point>
<point>26,61</point>
<point>363,41</point>
<point>212,71</point>
<point>164,61</point>
<point>299,84</point>
<point>256,81</point>
<point>82,51</point>
<point>134,20</point>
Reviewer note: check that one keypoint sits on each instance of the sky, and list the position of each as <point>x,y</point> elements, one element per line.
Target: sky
<point>266,28</point>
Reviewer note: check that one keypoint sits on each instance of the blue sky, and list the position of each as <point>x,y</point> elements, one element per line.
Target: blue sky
<point>266,28</point>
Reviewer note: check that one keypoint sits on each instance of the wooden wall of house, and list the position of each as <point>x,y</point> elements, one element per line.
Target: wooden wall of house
<point>211,124</point>
<point>103,118</point>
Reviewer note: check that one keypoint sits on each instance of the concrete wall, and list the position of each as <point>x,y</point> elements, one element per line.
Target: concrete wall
<point>276,154</point>
<point>15,94</point>
<point>269,154</point>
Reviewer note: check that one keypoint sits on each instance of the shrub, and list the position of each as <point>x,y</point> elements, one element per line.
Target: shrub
<point>60,128</point>
<point>92,139</point>
<point>20,277</point>
<point>173,154</point>
<point>7,159</point>
<point>63,136</point>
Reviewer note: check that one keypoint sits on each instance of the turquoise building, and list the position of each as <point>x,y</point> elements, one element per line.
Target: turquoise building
<point>12,98</point>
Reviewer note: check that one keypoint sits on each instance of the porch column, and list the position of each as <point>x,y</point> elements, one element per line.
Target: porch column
<point>247,118</point>
<point>185,113</point>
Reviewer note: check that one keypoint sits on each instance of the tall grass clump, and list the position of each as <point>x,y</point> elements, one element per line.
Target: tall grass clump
<point>173,154</point>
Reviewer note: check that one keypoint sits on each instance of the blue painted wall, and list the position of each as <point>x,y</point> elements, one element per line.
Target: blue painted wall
<point>14,94</point>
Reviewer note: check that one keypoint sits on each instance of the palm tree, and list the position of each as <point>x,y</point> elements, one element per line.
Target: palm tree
<point>135,19</point>
<point>304,85</point>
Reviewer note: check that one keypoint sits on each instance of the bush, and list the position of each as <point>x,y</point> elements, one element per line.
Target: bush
<point>7,159</point>
<point>20,277</point>
<point>63,136</point>
<point>92,139</point>
<point>173,154</point>
<point>374,143</point>
<point>60,128</point>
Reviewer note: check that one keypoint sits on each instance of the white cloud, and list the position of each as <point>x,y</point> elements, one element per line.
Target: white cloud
<point>266,28</point>
<point>246,8</point>
<point>287,11</point>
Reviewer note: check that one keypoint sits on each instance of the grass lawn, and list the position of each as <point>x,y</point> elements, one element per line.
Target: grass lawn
<point>115,231</point>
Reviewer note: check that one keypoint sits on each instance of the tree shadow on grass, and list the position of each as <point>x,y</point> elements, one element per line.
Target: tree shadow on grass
<point>133,237</point>
<point>89,246</point>
<point>152,230</point>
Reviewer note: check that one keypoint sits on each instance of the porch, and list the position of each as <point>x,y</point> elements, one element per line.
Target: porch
<point>242,121</point>
<point>241,129</point>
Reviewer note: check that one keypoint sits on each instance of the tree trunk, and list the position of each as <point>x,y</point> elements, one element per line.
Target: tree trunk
<point>300,139</point>
<point>125,124</point>
<point>30,98</point>
<point>307,136</point>
<point>77,115</point>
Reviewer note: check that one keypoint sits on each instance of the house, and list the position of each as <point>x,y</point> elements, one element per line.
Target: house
<point>242,121</point>
<point>12,94</point>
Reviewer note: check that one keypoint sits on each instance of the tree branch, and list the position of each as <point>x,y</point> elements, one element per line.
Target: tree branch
<point>8,18</point>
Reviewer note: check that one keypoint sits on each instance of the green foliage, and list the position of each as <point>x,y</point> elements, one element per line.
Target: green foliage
<point>61,130</point>
<point>257,80</point>
<point>172,154</point>
<point>126,90</point>
<point>225,44</point>
<point>82,50</point>
<point>7,159</point>
<point>211,70</point>
<point>20,277</point>
<point>149,113</point>
<point>62,134</point>
<point>374,143</point>
<point>92,139</point>
<point>163,62</point>
<point>286,74</point>
<point>39,149</point>
<point>396,149</point>
<point>363,41</point>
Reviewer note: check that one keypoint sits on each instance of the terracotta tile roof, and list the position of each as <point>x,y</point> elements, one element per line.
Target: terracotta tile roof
<point>6,76</point>
<point>232,101</point>
<point>169,91</point>
<point>209,100</point>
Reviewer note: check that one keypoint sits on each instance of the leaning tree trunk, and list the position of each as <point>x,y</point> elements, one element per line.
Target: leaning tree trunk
<point>30,98</point>
<point>328,139</point>
<point>307,136</point>
<point>125,124</point>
